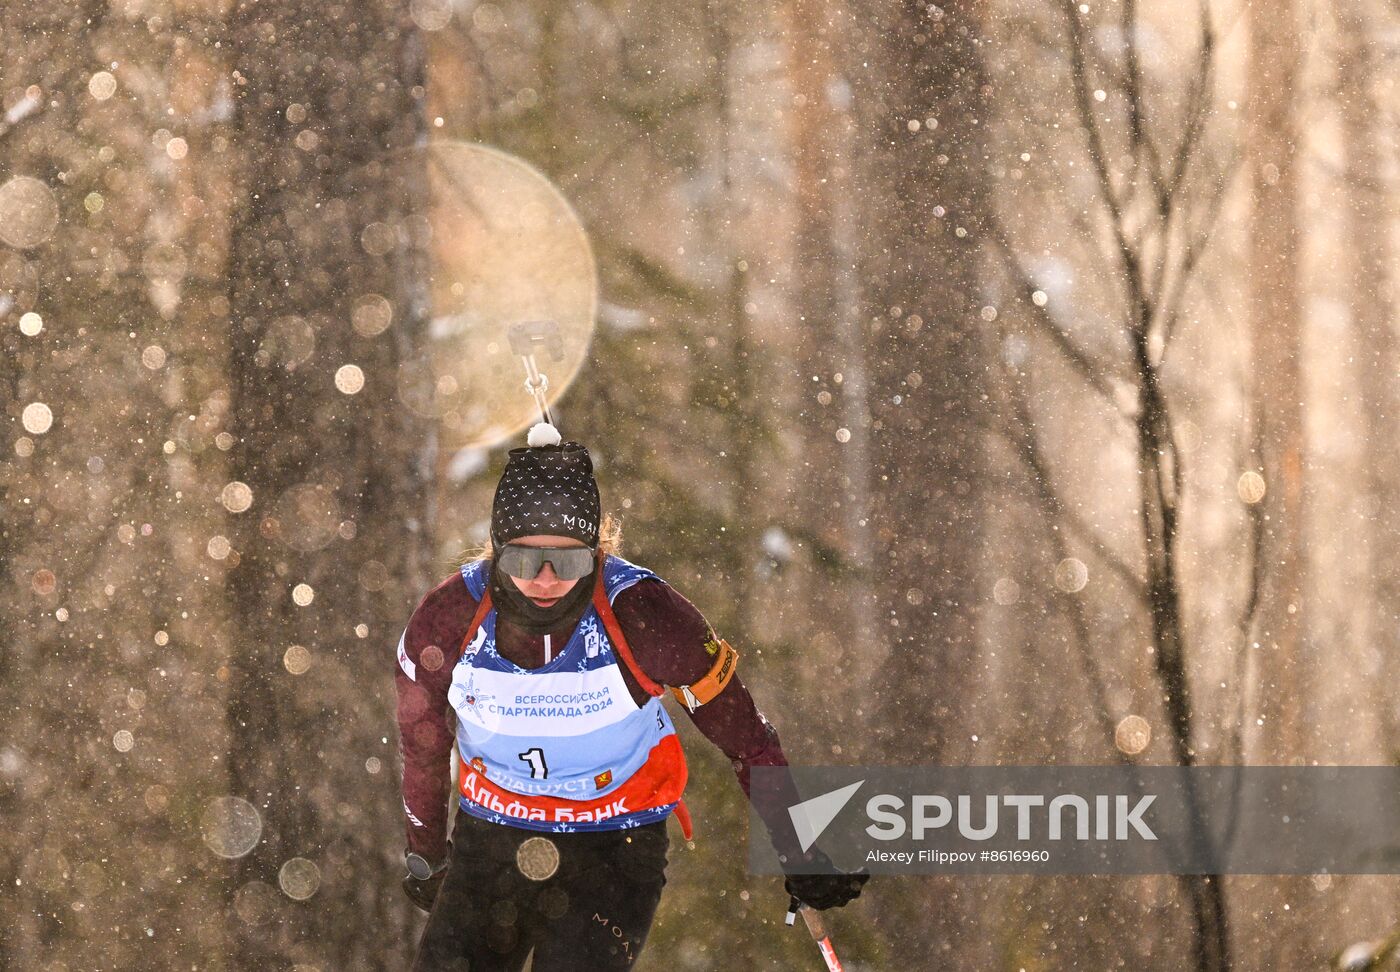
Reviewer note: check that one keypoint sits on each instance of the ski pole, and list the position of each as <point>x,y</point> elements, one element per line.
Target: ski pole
<point>817,927</point>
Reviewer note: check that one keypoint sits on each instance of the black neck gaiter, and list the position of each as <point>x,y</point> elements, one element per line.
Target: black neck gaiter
<point>525,614</point>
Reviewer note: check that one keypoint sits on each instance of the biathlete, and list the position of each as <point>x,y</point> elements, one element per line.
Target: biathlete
<point>552,653</point>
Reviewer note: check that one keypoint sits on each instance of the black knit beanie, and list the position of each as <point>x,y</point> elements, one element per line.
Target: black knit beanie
<point>547,490</point>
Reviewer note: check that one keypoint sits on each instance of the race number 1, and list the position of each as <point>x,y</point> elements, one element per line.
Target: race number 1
<point>534,758</point>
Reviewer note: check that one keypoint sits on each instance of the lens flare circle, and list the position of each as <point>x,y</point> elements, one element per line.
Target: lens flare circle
<point>505,248</point>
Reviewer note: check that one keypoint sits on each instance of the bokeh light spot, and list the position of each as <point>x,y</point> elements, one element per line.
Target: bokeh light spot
<point>37,418</point>
<point>377,239</point>
<point>236,497</point>
<point>299,878</point>
<point>297,660</point>
<point>256,903</point>
<point>374,576</point>
<point>349,379</point>
<point>371,315</point>
<point>28,212</point>
<point>102,85</point>
<point>431,14</point>
<point>307,516</point>
<point>537,858</point>
<point>230,826</point>
<point>1132,735</point>
<point>44,582</point>
<point>156,798</point>
<point>1071,575</point>
<point>1006,591</point>
<point>1251,487</point>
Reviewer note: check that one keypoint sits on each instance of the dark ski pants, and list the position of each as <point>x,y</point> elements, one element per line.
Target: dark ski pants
<point>592,914</point>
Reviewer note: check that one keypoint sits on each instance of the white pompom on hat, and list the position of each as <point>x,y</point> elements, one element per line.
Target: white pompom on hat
<point>543,434</point>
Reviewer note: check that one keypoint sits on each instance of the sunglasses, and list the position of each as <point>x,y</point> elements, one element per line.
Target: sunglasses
<point>570,563</point>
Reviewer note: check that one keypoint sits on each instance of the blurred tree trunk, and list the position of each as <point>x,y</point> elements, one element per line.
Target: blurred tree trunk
<point>112,738</point>
<point>1372,304</point>
<point>328,117</point>
<point>733,369</point>
<point>923,109</point>
<point>832,371</point>
<point>1276,328</point>
<point>1271,931</point>
<point>923,103</point>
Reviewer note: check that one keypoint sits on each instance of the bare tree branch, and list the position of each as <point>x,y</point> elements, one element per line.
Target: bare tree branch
<point>1195,248</point>
<point>1198,99</point>
<point>1021,434</point>
<point>1127,255</point>
<point>1076,523</point>
<point>1092,371</point>
<point>1139,138</point>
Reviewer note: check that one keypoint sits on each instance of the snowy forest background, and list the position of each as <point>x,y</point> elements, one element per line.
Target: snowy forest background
<point>1013,381</point>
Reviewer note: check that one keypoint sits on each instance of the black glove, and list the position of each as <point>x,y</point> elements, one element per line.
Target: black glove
<point>822,891</point>
<point>422,893</point>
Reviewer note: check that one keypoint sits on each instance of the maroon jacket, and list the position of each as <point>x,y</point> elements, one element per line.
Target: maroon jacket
<point>667,636</point>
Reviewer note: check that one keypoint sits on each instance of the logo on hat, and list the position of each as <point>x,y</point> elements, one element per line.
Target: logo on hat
<point>576,522</point>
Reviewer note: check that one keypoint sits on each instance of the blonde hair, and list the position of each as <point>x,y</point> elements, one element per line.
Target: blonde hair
<point>609,541</point>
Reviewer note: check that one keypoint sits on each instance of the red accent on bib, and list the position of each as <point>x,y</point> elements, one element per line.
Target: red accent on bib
<point>657,783</point>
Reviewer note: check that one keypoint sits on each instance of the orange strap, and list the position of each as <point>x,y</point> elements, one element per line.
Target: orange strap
<point>696,694</point>
<point>605,611</point>
<point>692,696</point>
<point>482,610</point>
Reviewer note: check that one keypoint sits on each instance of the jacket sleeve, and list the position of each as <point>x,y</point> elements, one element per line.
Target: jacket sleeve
<point>671,641</point>
<point>426,655</point>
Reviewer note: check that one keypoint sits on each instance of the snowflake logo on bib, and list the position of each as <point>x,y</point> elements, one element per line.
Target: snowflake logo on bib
<point>592,637</point>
